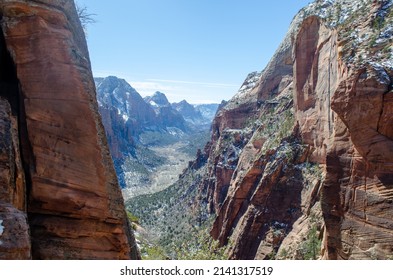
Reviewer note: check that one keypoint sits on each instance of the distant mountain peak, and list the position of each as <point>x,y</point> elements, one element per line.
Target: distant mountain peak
<point>158,99</point>
<point>159,94</point>
<point>184,102</point>
<point>111,83</point>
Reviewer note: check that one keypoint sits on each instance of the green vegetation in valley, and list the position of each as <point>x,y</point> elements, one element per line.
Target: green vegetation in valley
<point>196,141</point>
<point>152,138</point>
<point>176,227</point>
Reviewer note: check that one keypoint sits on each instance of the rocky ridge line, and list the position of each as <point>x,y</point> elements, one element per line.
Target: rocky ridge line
<point>305,153</point>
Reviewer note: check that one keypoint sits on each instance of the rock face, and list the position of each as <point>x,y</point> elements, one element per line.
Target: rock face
<point>126,115</point>
<point>300,162</point>
<point>157,100</point>
<point>187,110</point>
<point>54,160</point>
<point>14,233</point>
<point>123,109</point>
<point>199,116</point>
<point>208,111</point>
<point>351,135</point>
<point>167,116</point>
<point>14,228</point>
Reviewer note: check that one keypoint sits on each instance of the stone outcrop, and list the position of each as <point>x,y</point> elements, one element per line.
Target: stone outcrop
<point>67,186</point>
<point>269,185</point>
<point>272,185</point>
<point>350,98</point>
<point>14,233</point>
<point>14,228</point>
<point>359,164</point>
<point>315,72</point>
<point>300,162</point>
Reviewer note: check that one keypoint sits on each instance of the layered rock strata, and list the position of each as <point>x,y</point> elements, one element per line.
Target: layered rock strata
<point>303,156</point>
<point>70,195</point>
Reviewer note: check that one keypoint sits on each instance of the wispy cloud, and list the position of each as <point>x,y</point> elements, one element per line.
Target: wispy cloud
<point>176,90</point>
<point>195,83</point>
<point>194,92</point>
<point>151,87</point>
<point>104,73</point>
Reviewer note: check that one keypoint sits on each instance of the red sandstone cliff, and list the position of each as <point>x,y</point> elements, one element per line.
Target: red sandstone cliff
<point>303,155</point>
<point>57,179</point>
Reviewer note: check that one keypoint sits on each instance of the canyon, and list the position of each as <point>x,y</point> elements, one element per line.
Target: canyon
<point>150,139</point>
<point>299,161</point>
<point>298,164</point>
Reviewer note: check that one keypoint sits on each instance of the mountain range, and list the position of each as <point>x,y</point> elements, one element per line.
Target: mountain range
<point>134,125</point>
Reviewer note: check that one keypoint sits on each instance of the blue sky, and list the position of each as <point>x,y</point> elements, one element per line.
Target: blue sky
<point>198,50</point>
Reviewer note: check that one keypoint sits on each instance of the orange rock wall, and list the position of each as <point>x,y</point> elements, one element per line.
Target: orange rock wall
<point>342,112</point>
<point>75,208</point>
<point>343,116</point>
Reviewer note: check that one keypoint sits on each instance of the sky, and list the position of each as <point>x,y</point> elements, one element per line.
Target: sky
<point>198,50</point>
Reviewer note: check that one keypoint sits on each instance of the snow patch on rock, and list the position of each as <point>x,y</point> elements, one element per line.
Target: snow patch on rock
<point>1,227</point>
<point>383,77</point>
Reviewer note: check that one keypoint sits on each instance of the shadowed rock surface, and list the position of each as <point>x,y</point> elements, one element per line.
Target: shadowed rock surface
<point>67,188</point>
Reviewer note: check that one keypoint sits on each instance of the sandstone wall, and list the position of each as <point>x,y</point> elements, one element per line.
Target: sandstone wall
<point>332,175</point>
<point>342,111</point>
<point>357,193</point>
<point>74,205</point>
